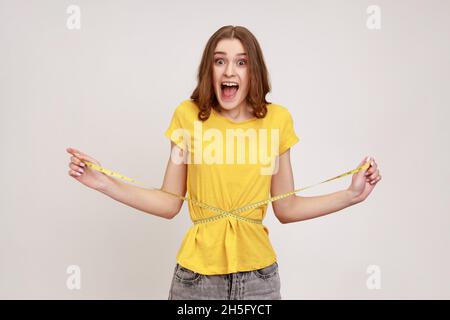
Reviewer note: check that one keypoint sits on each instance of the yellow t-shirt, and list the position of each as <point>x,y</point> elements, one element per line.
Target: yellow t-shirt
<point>230,165</point>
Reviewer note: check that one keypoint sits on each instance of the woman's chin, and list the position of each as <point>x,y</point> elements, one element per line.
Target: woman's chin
<point>229,104</point>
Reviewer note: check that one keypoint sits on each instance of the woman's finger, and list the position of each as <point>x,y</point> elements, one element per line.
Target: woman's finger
<point>79,154</point>
<point>363,172</point>
<point>374,175</point>
<point>73,151</point>
<point>77,161</point>
<point>74,174</point>
<point>76,168</point>
<point>82,156</point>
<point>376,180</point>
<point>371,169</point>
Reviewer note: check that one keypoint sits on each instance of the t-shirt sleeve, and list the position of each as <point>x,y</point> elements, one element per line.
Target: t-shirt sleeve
<point>288,136</point>
<point>176,131</point>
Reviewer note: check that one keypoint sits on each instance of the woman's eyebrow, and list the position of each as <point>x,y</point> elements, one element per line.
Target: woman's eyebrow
<point>221,52</point>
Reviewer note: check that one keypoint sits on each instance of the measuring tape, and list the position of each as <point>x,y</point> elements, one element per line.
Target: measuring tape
<point>223,213</point>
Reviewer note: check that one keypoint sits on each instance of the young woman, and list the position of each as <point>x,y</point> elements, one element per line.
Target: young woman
<point>229,148</point>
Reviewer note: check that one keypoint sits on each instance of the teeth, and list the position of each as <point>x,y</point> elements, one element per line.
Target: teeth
<point>230,84</point>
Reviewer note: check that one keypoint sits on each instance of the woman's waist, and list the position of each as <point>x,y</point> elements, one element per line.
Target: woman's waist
<point>208,214</point>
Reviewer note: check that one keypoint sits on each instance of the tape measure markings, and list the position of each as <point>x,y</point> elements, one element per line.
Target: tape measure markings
<point>223,213</point>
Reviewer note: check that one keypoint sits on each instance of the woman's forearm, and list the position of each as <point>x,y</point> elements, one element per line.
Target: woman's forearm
<point>149,201</point>
<point>303,208</point>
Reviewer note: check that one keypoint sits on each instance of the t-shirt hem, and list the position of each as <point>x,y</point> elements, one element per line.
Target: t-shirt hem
<point>289,144</point>
<point>168,134</point>
<point>227,271</point>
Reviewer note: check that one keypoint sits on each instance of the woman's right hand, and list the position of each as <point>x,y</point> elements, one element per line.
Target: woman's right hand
<point>81,172</point>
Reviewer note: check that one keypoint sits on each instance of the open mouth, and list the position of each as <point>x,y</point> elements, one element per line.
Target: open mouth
<point>229,90</point>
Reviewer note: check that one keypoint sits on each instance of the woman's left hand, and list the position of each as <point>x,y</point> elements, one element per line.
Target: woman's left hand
<point>364,181</point>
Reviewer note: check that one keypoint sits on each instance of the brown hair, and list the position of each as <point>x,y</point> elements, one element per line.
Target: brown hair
<point>259,85</point>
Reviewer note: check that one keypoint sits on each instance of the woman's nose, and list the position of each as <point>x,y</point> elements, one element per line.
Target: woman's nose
<point>229,71</point>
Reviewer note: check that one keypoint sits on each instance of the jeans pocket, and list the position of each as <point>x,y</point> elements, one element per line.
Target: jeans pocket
<point>267,272</point>
<point>186,275</point>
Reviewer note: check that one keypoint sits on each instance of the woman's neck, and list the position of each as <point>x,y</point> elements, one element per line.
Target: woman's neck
<point>240,113</point>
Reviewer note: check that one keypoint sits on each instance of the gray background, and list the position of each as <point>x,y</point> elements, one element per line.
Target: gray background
<point>110,88</point>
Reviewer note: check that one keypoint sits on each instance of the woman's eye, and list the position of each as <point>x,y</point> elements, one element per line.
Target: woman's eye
<point>240,62</point>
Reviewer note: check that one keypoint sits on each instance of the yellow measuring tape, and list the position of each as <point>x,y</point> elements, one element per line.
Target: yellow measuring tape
<point>223,213</point>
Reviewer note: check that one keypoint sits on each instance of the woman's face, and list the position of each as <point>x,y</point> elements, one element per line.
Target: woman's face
<point>230,67</point>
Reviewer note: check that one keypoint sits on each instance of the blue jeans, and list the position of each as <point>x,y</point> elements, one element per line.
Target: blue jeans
<point>261,284</point>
